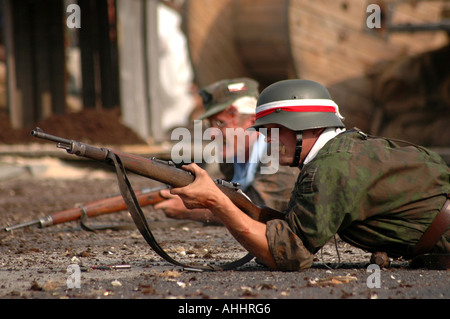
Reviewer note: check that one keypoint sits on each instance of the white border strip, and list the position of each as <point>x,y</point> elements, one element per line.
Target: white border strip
<point>299,102</point>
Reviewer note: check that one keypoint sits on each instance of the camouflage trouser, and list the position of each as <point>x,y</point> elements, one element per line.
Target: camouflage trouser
<point>286,247</point>
<point>290,254</point>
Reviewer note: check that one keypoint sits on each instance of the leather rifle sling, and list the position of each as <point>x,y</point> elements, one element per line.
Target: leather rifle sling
<point>139,219</point>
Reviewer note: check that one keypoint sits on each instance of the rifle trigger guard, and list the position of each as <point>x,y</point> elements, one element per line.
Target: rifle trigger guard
<point>225,183</point>
<point>234,186</point>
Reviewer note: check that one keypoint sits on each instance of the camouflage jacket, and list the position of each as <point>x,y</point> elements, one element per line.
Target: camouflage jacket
<point>271,190</point>
<point>376,195</point>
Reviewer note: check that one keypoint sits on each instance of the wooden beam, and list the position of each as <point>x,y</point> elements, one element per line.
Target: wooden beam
<point>24,109</point>
<point>89,55</point>
<point>15,113</point>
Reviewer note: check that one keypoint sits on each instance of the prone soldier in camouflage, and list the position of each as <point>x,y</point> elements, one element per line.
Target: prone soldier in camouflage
<point>376,194</point>
<point>231,104</point>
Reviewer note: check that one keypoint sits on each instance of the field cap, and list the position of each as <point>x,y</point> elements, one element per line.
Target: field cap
<point>219,95</point>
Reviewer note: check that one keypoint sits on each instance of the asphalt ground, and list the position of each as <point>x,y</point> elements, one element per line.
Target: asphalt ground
<point>64,262</point>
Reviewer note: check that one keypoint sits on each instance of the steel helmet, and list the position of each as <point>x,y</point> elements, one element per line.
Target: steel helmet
<point>298,105</point>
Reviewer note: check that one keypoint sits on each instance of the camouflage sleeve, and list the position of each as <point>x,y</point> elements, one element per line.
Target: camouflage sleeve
<point>286,247</point>
<point>273,190</point>
<point>309,223</point>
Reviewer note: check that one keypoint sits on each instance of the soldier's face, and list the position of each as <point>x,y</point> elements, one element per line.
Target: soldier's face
<point>286,143</point>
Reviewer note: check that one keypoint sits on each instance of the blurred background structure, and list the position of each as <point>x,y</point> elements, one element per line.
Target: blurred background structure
<point>385,62</point>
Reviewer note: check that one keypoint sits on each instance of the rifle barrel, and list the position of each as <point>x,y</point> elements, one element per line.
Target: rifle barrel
<point>42,222</point>
<point>22,225</point>
<point>145,197</point>
<point>155,169</point>
<point>37,132</point>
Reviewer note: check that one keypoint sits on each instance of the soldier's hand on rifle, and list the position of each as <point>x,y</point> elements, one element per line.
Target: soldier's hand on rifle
<point>173,206</point>
<point>250,233</point>
<point>202,192</point>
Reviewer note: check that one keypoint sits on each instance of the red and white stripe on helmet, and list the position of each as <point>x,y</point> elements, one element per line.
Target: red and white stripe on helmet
<point>299,105</point>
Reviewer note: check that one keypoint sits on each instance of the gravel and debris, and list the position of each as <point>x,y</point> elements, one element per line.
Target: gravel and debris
<point>65,262</point>
<point>39,262</point>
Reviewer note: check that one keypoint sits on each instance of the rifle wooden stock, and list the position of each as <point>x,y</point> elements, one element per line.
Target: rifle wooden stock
<point>104,206</point>
<point>160,171</point>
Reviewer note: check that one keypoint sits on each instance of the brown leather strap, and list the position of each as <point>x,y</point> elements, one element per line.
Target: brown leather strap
<point>435,231</point>
<point>139,219</point>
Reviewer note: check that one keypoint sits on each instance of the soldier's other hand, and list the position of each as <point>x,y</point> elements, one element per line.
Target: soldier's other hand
<point>173,206</point>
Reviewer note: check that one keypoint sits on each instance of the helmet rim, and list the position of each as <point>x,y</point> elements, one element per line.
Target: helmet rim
<point>297,104</point>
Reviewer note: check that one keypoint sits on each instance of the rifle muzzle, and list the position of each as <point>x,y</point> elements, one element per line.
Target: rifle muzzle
<point>41,222</point>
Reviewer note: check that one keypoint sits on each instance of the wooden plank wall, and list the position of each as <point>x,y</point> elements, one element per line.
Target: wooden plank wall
<point>209,29</point>
<point>234,38</point>
<point>35,33</point>
<point>261,32</point>
<point>331,45</point>
<point>36,55</point>
<point>332,34</point>
<point>327,41</point>
<point>99,60</point>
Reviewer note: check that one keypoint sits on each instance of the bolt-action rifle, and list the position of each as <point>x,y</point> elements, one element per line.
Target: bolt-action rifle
<point>165,172</point>
<point>159,170</point>
<point>145,197</point>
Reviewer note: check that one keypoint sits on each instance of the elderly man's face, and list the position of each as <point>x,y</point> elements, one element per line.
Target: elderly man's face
<point>230,126</point>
